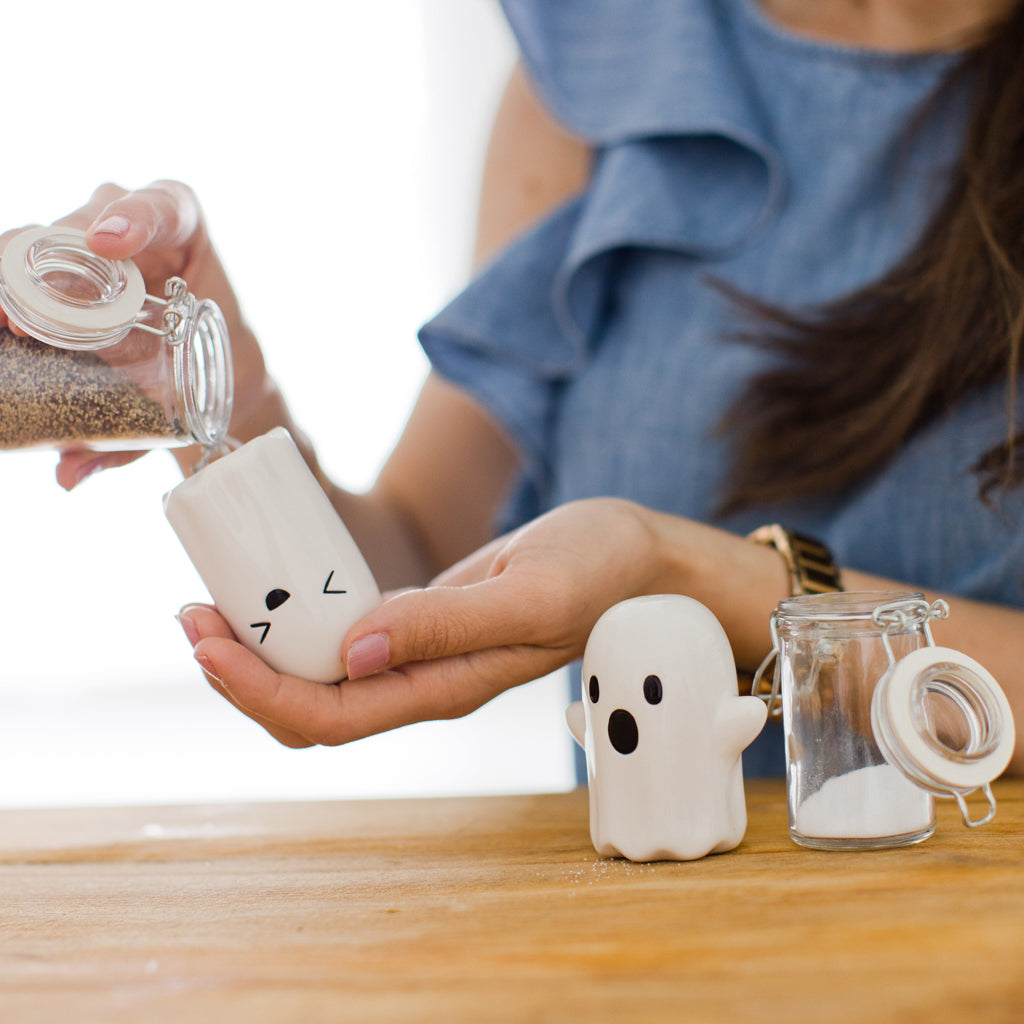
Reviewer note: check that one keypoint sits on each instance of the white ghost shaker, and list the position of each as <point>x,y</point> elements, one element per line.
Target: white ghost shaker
<point>276,558</point>
<point>663,726</point>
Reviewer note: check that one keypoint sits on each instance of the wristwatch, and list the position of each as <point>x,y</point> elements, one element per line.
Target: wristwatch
<point>812,570</point>
<point>811,567</point>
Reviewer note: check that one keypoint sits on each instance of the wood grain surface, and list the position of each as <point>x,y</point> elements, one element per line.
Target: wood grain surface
<point>496,909</point>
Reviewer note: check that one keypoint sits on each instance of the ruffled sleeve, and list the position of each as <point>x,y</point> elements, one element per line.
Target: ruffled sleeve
<point>501,341</point>
<point>683,162</point>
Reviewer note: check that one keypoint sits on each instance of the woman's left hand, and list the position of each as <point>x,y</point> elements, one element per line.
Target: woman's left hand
<point>514,611</point>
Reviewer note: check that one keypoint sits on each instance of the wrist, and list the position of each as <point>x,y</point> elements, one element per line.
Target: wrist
<point>739,581</point>
<point>648,541</point>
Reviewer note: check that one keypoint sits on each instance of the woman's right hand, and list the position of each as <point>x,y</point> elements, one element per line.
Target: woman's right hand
<point>161,228</point>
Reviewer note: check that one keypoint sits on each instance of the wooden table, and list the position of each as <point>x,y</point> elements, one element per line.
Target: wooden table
<point>496,909</point>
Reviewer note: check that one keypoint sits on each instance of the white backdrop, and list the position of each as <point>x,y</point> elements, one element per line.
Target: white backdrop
<point>336,149</point>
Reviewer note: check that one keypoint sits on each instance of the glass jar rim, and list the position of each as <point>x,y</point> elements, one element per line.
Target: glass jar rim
<point>844,605</point>
<point>204,376</point>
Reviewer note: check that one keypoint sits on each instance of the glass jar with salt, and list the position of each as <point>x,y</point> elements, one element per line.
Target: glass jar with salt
<point>105,365</point>
<point>878,720</point>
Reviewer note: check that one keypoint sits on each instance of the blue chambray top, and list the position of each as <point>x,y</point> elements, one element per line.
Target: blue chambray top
<point>725,148</point>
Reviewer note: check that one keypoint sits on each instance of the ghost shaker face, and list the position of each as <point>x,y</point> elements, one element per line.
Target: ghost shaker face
<point>623,731</point>
<point>277,560</point>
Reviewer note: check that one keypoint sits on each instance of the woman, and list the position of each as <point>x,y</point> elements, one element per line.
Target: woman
<point>834,180</point>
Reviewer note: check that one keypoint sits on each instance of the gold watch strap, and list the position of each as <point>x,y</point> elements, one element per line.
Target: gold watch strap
<point>812,570</point>
<point>811,567</point>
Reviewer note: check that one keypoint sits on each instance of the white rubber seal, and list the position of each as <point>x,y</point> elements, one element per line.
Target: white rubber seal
<point>101,322</point>
<point>904,736</point>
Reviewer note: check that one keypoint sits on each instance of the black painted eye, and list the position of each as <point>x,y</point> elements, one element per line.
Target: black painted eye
<point>275,599</point>
<point>652,690</point>
<point>595,689</point>
<point>327,586</point>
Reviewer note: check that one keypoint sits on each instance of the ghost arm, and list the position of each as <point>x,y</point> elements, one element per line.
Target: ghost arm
<point>738,723</point>
<point>576,719</point>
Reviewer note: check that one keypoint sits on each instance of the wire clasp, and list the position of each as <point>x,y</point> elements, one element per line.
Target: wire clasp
<point>179,311</point>
<point>771,698</point>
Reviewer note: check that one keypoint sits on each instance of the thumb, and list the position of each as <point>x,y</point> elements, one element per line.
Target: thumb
<point>165,213</point>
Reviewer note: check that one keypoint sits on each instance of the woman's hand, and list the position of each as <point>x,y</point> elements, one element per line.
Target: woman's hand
<point>161,228</point>
<point>525,604</point>
<point>514,611</point>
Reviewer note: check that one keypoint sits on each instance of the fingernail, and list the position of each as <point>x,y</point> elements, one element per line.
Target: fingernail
<point>368,654</point>
<point>189,626</point>
<point>207,666</point>
<point>113,226</point>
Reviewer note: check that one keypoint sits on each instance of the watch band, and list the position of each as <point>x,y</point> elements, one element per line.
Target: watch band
<point>812,570</point>
<point>811,567</point>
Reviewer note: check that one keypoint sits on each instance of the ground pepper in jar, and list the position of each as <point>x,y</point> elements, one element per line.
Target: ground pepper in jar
<point>106,364</point>
<point>53,396</point>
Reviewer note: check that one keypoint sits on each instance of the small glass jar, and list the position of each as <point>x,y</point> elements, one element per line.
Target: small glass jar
<point>106,365</point>
<point>878,720</point>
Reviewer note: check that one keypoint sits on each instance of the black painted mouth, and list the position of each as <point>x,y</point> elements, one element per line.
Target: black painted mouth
<point>623,732</point>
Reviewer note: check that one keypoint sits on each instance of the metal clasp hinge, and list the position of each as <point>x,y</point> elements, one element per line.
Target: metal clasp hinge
<point>771,698</point>
<point>179,310</point>
<point>902,615</point>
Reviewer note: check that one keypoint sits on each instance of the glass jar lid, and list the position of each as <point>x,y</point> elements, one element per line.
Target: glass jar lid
<point>56,289</point>
<point>942,719</point>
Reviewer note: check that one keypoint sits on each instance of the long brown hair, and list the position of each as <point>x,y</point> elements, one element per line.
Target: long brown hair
<point>860,375</point>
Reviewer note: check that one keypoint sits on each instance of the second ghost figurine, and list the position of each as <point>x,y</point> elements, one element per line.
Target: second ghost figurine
<point>663,727</point>
<point>278,562</point>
